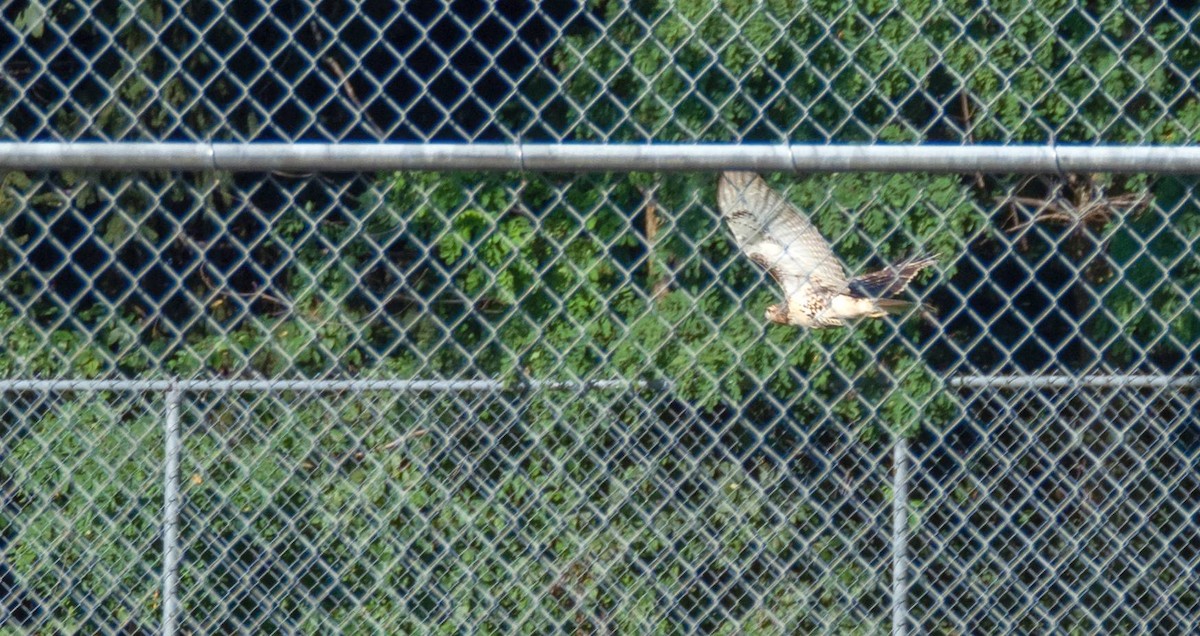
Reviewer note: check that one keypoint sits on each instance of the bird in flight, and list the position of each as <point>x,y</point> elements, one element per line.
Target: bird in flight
<point>774,234</point>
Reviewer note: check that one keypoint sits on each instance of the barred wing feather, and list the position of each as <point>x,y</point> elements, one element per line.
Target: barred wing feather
<point>774,234</point>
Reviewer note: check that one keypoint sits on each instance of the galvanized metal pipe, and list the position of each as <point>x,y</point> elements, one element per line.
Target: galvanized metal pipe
<point>171,506</point>
<point>580,157</point>
<point>435,386</point>
<point>1073,382</point>
<point>900,537</point>
<point>481,386</point>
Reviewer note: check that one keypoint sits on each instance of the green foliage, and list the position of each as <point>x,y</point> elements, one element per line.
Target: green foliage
<point>502,512</point>
<point>86,475</point>
<point>881,71</point>
<point>549,511</point>
<point>1077,85</point>
<point>1158,268</point>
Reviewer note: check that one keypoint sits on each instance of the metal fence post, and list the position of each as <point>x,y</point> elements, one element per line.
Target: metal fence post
<point>171,503</point>
<point>900,537</point>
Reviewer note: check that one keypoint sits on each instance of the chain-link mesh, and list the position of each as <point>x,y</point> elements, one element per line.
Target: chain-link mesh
<point>1073,511</point>
<point>638,449</point>
<point>83,505</point>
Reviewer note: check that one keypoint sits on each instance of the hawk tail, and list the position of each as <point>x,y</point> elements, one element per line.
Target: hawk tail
<point>896,307</point>
<point>891,280</point>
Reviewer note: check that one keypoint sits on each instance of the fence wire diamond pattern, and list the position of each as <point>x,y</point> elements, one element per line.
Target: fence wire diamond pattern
<point>589,426</point>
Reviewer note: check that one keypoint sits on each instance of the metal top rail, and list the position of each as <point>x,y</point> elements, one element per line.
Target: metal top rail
<point>432,386</point>
<point>345,157</point>
<point>486,386</point>
<point>1148,381</point>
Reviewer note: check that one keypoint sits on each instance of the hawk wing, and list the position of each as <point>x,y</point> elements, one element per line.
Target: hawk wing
<point>774,234</point>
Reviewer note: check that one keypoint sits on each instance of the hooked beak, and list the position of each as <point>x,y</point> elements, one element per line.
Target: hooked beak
<point>777,314</point>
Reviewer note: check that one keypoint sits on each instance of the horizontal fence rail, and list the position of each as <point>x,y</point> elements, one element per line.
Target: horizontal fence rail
<point>1074,382</point>
<point>580,157</point>
<point>446,386</point>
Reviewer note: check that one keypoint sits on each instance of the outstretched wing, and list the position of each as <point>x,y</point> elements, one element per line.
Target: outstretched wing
<point>891,280</point>
<point>774,234</point>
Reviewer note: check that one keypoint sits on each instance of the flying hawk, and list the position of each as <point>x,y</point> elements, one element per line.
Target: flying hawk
<point>774,234</point>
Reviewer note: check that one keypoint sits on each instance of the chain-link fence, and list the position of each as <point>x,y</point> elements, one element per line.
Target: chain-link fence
<point>513,401</point>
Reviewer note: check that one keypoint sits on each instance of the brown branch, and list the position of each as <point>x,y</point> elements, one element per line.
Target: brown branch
<point>349,90</point>
<point>345,85</point>
<point>399,441</point>
<point>659,282</point>
<point>1090,207</point>
<point>197,247</point>
<point>1051,217</point>
<point>1036,202</point>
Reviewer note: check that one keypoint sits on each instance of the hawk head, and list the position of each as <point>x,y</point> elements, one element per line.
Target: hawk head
<point>778,314</point>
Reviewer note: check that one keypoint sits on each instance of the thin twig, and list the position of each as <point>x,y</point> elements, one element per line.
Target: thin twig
<point>346,86</point>
<point>1089,206</point>
<point>399,441</point>
<point>968,126</point>
<point>197,247</point>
